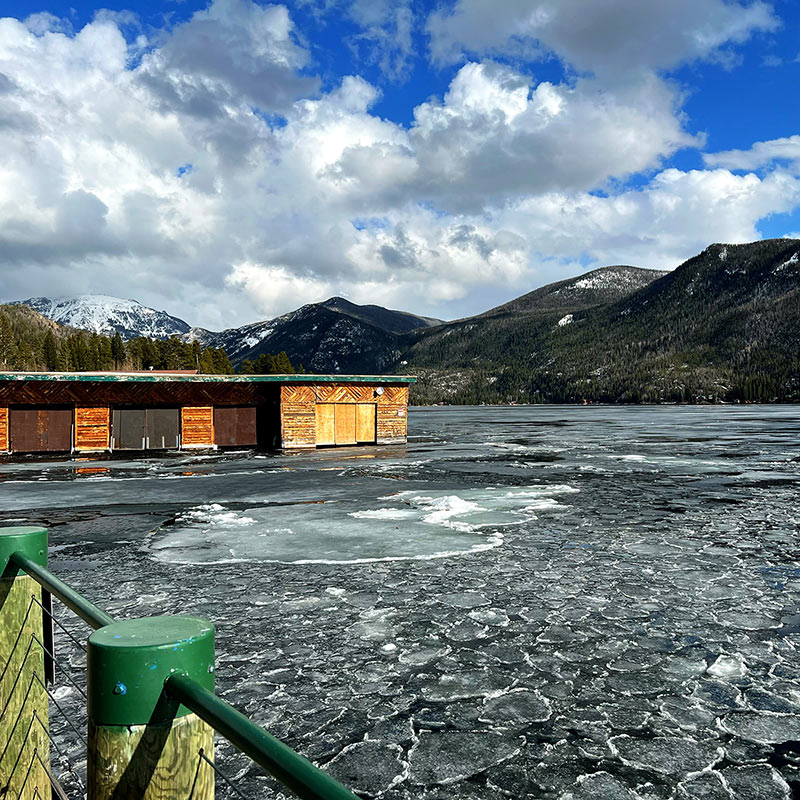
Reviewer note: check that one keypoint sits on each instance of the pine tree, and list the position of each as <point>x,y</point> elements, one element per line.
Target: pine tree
<point>8,347</point>
<point>117,350</point>
<point>50,354</point>
<point>282,364</point>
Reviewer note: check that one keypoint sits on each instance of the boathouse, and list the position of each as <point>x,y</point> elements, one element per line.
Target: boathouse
<point>89,412</point>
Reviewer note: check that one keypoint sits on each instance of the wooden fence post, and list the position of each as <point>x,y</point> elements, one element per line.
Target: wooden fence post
<point>24,740</point>
<point>143,744</point>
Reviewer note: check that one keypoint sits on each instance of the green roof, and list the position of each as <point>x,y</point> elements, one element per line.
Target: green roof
<point>162,377</point>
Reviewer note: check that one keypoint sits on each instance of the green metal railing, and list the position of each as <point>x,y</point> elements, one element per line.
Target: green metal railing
<point>76,602</point>
<point>291,770</point>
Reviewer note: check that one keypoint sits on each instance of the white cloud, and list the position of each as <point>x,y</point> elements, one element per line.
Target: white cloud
<point>386,34</point>
<point>168,179</point>
<point>761,154</point>
<point>673,217</point>
<point>607,37</point>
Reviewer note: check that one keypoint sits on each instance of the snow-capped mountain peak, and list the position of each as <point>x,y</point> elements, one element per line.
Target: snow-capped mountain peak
<point>108,315</point>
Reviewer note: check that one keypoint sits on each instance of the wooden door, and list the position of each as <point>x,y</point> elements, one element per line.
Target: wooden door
<point>365,422</point>
<point>128,429</point>
<point>326,423</point>
<point>345,423</point>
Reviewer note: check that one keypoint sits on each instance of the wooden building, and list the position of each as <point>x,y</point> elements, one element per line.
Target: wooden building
<point>101,412</point>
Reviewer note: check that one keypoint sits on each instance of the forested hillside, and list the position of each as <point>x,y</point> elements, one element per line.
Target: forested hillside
<point>30,341</point>
<point>725,325</point>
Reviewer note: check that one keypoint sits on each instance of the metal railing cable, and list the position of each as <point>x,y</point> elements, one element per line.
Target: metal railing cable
<point>292,770</point>
<point>73,600</point>
<point>289,767</point>
<point>203,758</point>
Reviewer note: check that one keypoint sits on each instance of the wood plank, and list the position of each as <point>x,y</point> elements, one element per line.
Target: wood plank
<point>92,428</point>
<point>365,422</point>
<point>4,444</point>
<point>21,695</point>
<point>326,423</point>
<point>197,426</point>
<point>345,425</point>
<point>151,762</point>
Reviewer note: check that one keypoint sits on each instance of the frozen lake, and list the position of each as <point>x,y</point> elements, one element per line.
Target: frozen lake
<point>530,602</point>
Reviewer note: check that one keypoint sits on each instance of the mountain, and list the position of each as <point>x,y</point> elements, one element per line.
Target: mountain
<point>524,320</point>
<point>333,336</point>
<point>603,285</point>
<point>723,325</point>
<point>380,317</point>
<point>107,315</point>
<point>321,339</point>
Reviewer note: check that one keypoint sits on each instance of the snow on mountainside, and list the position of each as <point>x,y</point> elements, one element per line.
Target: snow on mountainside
<point>102,314</point>
<point>603,285</point>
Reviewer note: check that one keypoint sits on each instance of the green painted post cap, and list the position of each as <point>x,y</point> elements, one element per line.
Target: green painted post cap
<point>30,540</point>
<point>129,661</point>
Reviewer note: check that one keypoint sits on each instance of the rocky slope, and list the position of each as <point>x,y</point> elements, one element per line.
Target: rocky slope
<point>108,315</point>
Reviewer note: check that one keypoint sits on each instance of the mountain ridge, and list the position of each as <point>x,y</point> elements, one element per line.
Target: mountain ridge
<point>723,324</point>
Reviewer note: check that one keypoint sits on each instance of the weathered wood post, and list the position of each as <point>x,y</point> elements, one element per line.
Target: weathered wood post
<point>24,742</point>
<point>142,744</point>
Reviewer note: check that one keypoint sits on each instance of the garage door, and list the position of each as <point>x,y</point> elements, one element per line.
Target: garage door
<point>345,423</point>
<point>162,428</point>
<point>127,429</point>
<point>145,429</point>
<point>235,425</point>
<point>36,430</point>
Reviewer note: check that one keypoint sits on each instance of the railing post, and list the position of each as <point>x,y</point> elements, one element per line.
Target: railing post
<point>143,744</point>
<point>24,740</point>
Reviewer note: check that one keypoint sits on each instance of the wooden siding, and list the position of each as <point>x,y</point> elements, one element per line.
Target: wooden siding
<point>393,415</point>
<point>108,393</point>
<point>3,430</point>
<point>197,425</point>
<point>304,408</point>
<point>92,428</point>
<point>298,417</point>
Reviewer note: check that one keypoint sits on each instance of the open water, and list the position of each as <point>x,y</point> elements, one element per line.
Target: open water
<point>529,602</point>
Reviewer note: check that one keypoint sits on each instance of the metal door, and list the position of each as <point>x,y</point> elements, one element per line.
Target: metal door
<point>161,428</point>
<point>128,429</point>
<point>36,430</point>
<point>235,425</point>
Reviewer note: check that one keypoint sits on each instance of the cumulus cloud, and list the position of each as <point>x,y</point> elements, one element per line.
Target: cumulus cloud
<point>761,154</point>
<point>386,36</point>
<point>605,37</point>
<point>208,173</point>
<point>233,51</point>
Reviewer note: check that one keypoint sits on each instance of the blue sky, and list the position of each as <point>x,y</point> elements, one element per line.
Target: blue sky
<point>229,161</point>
